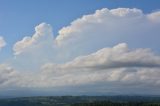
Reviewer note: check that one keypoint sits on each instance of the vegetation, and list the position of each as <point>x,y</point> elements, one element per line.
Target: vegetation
<point>108,103</point>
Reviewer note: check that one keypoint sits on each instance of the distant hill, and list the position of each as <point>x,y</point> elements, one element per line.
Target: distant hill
<point>78,100</point>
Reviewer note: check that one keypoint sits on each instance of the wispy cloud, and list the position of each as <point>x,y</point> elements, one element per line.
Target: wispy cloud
<point>2,42</point>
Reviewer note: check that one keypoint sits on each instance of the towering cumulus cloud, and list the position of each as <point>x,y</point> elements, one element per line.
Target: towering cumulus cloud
<point>95,31</point>
<point>89,55</point>
<point>108,27</point>
<point>43,36</point>
<point>32,51</point>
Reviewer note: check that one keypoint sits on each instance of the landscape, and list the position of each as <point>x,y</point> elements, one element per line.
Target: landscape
<point>82,101</point>
<point>79,53</point>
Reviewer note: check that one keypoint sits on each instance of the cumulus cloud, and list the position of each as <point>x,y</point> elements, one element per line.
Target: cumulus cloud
<point>8,76</point>
<point>155,17</point>
<point>107,65</point>
<point>43,35</point>
<point>81,55</point>
<point>2,42</point>
<point>92,32</point>
<point>109,27</point>
<point>112,69</point>
<point>103,18</point>
<point>30,49</point>
<point>116,57</point>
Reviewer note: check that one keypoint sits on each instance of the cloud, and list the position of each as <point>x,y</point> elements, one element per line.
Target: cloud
<point>101,20</point>
<point>2,42</point>
<point>30,49</point>
<point>108,70</point>
<point>43,35</point>
<point>84,56</point>
<point>109,27</point>
<point>8,76</point>
<point>117,57</point>
<point>92,32</point>
<point>155,17</point>
<point>116,64</point>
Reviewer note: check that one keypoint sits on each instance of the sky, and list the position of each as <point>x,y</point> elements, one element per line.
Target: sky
<point>94,47</point>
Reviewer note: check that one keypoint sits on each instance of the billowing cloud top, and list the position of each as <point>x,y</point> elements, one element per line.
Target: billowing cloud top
<point>155,16</point>
<point>43,33</point>
<point>88,56</point>
<point>107,23</point>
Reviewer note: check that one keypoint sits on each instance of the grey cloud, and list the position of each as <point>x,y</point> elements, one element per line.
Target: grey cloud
<point>117,57</point>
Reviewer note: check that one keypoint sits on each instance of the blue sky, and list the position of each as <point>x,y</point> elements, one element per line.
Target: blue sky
<point>87,44</point>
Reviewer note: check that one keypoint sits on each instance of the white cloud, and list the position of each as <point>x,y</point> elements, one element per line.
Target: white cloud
<point>111,69</point>
<point>106,28</point>
<point>32,51</point>
<point>102,20</point>
<point>43,35</point>
<point>2,42</point>
<point>108,65</point>
<point>8,76</point>
<point>155,17</point>
<point>116,57</point>
<point>126,12</point>
<point>92,32</point>
<point>79,56</point>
